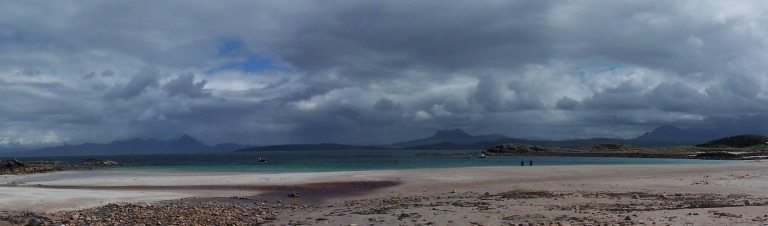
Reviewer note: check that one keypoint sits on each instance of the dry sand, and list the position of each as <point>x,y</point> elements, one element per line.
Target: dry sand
<point>732,193</point>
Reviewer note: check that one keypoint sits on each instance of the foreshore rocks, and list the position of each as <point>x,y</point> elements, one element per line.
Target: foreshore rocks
<point>96,162</point>
<point>171,213</point>
<point>14,166</point>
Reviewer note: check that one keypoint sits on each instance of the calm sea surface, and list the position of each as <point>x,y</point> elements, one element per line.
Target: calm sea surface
<point>323,161</point>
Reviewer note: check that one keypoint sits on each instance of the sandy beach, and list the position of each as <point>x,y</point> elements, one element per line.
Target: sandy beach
<point>733,193</point>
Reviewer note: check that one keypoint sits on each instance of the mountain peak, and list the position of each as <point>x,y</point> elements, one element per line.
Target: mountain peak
<point>672,135</point>
<point>189,140</point>
<point>452,134</point>
<point>186,137</point>
<point>456,136</point>
<point>667,129</point>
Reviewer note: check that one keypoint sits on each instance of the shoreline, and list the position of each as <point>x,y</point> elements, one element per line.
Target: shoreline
<point>462,159</point>
<point>80,191</point>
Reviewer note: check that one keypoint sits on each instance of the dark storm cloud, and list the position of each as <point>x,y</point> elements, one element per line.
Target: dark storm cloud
<point>186,86</point>
<point>495,95</point>
<point>368,39</point>
<point>677,97</point>
<point>385,104</point>
<point>270,72</point>
<point>566,103</point>
<point>147,78</point>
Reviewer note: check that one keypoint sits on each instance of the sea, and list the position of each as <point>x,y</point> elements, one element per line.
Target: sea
<point>343,160</point>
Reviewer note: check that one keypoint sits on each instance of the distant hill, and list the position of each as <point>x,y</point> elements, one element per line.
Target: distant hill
<point>668,135</point>
<point>183,144</point>
<point>581,143</point>
<point>452,146</point>
<point>225,147</point>
<point>578,143</point>
<point>456,136</point>
<point>11,150</point>
<point>311,147</point>
<point>739,141</point>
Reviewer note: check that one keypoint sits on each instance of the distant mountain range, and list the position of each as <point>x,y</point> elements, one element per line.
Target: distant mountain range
<point>456,139</point>
<point>455,136</point>
<point>183,144</point>
<point>668,135</point>
<point>315,147</point>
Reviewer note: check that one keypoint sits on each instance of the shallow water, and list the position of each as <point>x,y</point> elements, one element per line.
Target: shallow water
<point>324,161</point>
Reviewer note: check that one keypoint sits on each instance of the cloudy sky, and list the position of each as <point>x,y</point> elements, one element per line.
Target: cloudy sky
<point>273,72</point>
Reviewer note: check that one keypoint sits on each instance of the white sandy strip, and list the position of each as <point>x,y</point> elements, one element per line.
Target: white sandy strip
<point>737,177</point>
<point>139,178</point>
<point>20,192</point>
<point>45,200</point>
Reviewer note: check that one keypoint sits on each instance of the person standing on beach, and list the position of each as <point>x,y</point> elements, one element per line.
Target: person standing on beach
<point>530,162</point>
<point>522,162</point>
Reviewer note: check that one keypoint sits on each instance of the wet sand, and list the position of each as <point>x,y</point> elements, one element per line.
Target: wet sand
<point>714,194</point>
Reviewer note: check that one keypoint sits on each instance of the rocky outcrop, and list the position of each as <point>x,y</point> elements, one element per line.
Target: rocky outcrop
<point>18,167</point>
<point>96,162</point>
<point>609,147</point>
<point>516,149</point>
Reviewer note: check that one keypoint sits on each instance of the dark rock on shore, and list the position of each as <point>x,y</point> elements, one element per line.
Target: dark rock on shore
<point>717,155</point>
<point>96,162</point>
<point>17,167</point>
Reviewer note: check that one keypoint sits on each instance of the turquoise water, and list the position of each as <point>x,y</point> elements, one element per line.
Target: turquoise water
<point>324,161</point>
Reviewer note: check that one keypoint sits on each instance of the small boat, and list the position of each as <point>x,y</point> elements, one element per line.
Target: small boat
<point>481,156</point>
<point>262,160</point>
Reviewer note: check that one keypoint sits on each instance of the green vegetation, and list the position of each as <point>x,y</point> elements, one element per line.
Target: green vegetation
<point>740,141</point>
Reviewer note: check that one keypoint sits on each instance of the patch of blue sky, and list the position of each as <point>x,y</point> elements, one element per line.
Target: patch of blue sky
<point>587,70</point>
<point>233,48</point>
<point>254,63</point>
<point>250,64</point>
<point>228,45</point>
